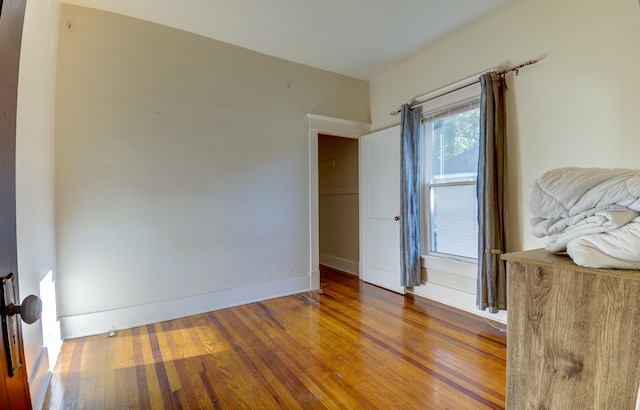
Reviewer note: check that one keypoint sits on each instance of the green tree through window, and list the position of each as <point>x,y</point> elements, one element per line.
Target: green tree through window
<point>455,143</point>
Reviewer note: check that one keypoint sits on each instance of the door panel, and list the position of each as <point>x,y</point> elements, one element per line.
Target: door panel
<point>382,237</point>
<point>14,391</point>
<point>380,204</point>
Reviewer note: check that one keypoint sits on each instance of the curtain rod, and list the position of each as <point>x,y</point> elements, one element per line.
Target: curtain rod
<point>502,72</point>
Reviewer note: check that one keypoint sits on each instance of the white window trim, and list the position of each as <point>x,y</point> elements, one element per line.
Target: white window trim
<point>451,95</point>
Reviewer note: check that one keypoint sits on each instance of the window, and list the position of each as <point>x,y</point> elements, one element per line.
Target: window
<point>451,127</point>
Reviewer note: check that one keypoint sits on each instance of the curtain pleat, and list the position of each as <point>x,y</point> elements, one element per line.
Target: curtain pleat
<point>491,192</point>
<point>410,180</point>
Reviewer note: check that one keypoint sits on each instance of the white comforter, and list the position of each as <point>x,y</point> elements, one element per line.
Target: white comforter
<point>591,213</point>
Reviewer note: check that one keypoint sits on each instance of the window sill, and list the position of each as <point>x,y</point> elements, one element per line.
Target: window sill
<point>461,268</point>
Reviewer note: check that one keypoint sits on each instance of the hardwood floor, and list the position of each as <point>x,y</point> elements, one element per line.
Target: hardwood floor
<point>350,346</point>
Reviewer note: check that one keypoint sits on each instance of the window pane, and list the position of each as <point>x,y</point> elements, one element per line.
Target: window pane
<point>455,147</point>
<point>454,223</point>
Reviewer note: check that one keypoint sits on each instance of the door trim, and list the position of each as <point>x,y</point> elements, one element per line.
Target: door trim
<point>320,124</point>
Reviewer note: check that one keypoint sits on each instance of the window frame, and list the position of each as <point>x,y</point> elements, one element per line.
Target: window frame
<point>445,104</point>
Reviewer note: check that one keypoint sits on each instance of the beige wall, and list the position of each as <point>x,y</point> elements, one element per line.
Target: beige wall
<point>339,202</point>
<point>182,163</point>
<point>35,222</point>
<point>577,107</point>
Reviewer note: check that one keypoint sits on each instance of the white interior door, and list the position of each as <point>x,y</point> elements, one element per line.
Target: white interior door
<point>380,209</point>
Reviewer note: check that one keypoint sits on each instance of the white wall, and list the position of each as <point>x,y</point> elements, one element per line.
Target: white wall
<point>182,170</point>
<point>577,107</point>
<point>35,180</point>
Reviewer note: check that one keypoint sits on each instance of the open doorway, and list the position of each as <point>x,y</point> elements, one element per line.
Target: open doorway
<point>338,203</point>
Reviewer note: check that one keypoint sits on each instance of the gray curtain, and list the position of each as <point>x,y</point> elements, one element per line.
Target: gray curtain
<point>410,180</point>
<point>491,191</point>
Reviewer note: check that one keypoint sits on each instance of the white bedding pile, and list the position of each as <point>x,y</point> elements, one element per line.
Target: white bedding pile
<point>591,213</point>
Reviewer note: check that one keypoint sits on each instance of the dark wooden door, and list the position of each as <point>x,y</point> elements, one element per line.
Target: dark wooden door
<point>14,391</point>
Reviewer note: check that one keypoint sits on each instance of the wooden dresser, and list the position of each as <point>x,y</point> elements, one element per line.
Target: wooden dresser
<point>574,334</point>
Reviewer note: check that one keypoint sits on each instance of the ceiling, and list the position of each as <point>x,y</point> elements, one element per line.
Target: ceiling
<point>358,38</point>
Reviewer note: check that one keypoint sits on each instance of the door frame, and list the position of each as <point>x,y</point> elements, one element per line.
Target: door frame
<point>320,124</point>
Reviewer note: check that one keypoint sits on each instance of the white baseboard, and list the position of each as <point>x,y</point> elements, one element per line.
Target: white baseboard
<point>128,317</point>
<point>39,378</point>
<point>457,299</point>
<point>345,265</point>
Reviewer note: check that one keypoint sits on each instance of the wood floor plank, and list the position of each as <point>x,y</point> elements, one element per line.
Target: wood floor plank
<point>305,393</point>
<point>188,368</point>
<point>352,362</point>
<point>71,396</point>
<point>386,343</point>
<point>109,367</point>
<point>159,367</point>
<point>314,373</point>
<point>256,358</point>
<point>350,345</point>
<point>147,362</point>
<point>381,360</point>
<point>171,355</point>
<point>257,383</point>
<point>89,390</point>
<point>144,396</point>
